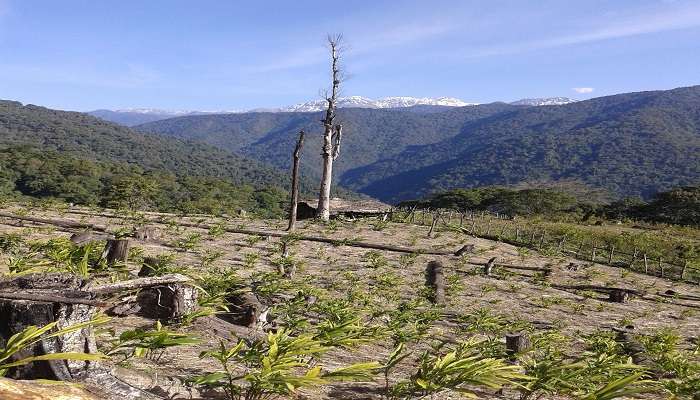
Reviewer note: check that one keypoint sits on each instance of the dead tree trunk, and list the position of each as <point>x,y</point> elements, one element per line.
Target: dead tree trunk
<point>295,182</point>
<point>488,268</point>
<point>332,134</point>
<point>435,279</point>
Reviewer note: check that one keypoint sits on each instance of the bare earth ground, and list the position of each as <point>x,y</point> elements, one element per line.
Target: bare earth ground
<point>338,269</point>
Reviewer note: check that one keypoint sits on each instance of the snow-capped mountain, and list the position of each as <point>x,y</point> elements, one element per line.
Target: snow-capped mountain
<point>387,102</point>
<point>544,101</point>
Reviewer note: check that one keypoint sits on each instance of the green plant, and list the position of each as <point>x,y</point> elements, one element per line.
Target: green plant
<point>148,343</point>
<point>277,365</point>
<point>32,335</point>
<point>458,371</point>
<point>375,259</point>
<point>189,242</point>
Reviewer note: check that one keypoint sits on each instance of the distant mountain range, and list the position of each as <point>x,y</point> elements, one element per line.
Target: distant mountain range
<point>632,144</point>
<point>137,116</point>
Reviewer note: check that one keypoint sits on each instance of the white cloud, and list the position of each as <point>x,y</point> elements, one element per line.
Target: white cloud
<point>583,90</point>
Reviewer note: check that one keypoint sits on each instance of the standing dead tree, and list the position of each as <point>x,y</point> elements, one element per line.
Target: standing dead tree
<point>332,133</point>
<point>295,182</point>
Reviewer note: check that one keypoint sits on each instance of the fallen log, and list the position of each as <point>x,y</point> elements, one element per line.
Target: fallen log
<point>56,222</point>
<point>138,283</point>
<point>53,298</point>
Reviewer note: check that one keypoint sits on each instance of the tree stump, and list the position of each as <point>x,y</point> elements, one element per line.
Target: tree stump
<point>146,233</point>
<point>435,279</point>
<point>466,249</point>
<point>149,266</point>
<point>116,250</point>
<point>516,342</point>
<point>619,296</point>
<point>19,314</point>
<point>488,268</point>
<point>305,211</point>
<point>245,310</point>
<point>167,302</point>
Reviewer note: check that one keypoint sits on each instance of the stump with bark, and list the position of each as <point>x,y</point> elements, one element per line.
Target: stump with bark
<point>146,233</point>
<point>116,250</point>
<point>20,314</point>
<point>516,342</point>
<point>619,295</point>
<point>245,309</point>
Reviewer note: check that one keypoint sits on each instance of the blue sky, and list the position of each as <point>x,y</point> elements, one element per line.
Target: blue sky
<point>222,55</point>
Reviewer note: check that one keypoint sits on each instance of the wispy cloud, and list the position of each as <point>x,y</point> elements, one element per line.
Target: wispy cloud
<point>583,90</point>
<point>633,25</point>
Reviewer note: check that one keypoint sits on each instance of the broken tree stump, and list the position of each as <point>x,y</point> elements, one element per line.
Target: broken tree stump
<point>516,343</point>
<point>245,310</point>
<point>167,302</point>
<point>148,268</point>
<point>146,233</point>
<point>619,295</point>
<point>20,314</point>
<point>116,250</point>
<point>488,268</point>
<point>435,279</point>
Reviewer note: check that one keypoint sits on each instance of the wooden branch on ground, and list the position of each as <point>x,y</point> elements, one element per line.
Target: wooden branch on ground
<point>510,266</point>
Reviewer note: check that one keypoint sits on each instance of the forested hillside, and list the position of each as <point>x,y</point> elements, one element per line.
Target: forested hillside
<point>633,144</point>
<point>630,144</point>
<point>370,134</point>
<point>85,137</point>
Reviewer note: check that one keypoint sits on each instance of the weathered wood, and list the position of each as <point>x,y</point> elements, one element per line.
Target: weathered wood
<point>167,302</point>
<point>20,314</point>
<point>116,250</point>
<point>52,298</point>
<point>245,309</point>
<point>296,156</point>
<point>146,233</point>
<point>332,134</point>
<point>619,295</point>
<point>138,283</point>
<point>488,268</point>
<point>466,249</point>
<point>435,279</point>
<point>55,222</point>
<point>516,343</point>
<point>82,238</point>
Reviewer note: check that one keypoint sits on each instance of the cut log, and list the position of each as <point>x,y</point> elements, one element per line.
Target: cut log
<point>116,250</point>
<point>435,279</point>
<point>82,238</point>
<point>466,249</point>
